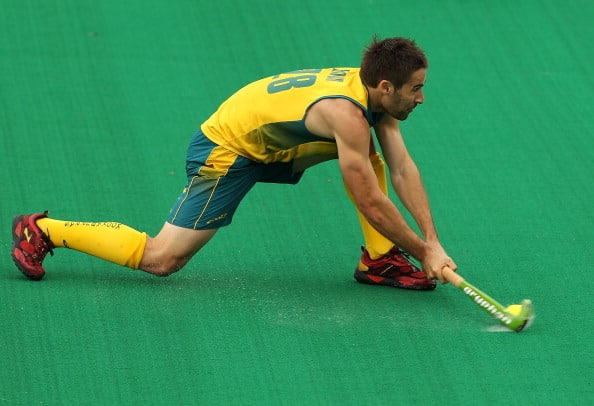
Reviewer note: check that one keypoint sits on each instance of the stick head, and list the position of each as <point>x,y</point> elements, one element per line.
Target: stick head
<point>521,315</point>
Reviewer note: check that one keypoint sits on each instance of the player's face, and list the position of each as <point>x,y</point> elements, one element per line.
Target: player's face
<point>403,101</point>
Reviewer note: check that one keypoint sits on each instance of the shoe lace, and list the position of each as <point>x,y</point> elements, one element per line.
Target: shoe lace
<point>399,255</point>
<point>46,238</point>
<point>404,259</point>
<point>48,244</point>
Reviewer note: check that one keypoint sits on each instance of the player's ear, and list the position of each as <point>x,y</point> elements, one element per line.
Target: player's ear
<point>386,87</point>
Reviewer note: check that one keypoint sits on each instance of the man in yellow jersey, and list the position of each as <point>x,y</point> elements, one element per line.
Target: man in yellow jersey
<point>272,130</point>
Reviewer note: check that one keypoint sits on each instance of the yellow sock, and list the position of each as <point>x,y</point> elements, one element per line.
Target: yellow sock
<point>113,242</point>
<point>375,243</point>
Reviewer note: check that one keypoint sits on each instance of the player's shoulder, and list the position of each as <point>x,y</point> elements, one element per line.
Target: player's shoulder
<point>335,117</point>
<point>338,109</point>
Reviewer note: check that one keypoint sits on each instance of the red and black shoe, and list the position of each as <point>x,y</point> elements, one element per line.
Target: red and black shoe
<point>30,245</point>
<point>393,269</point>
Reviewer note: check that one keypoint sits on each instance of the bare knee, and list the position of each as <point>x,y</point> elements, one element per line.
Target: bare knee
<point>163,272</point>
<point>172,248</point>
<point>163,267</point>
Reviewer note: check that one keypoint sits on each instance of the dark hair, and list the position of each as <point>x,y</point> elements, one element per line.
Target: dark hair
<point>393,59</point>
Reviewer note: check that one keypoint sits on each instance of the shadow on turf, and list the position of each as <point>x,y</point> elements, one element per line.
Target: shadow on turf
<point>221,280</point>
<point>290,298</point>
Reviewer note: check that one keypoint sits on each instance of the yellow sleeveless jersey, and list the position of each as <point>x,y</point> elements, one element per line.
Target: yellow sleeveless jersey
<point>265,120</point>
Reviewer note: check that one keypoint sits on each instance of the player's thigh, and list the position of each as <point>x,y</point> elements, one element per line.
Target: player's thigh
<point>214,191</point>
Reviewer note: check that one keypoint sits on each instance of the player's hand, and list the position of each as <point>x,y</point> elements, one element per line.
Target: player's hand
<point>435,260</point>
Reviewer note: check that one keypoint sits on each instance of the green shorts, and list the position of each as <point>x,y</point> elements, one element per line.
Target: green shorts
<point>218,179</point>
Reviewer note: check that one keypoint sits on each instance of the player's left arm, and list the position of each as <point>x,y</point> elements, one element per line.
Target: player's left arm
<point>405,176</point>
<point>408,185</point>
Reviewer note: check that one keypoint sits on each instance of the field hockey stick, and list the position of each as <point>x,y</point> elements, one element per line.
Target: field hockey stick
<point>514,317</point>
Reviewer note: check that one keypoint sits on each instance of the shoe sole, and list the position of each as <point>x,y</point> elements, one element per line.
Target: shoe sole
<point>363,277</point>
<point>16,250</point>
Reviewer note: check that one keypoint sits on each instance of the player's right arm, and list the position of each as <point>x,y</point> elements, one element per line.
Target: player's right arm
<point>344,122</point>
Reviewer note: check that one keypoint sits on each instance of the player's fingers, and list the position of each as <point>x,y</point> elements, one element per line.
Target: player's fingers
<point>448,264</point>
<point>438,274</point>
<point>451,264</point>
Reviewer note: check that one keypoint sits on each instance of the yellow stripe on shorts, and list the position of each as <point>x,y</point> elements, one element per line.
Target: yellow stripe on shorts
<point>218,162</point>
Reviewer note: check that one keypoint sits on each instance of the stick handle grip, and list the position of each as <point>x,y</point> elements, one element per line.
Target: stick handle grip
<point>452,277</point>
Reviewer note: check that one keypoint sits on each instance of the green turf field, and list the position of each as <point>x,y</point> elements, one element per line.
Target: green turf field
<point>98,100</point>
